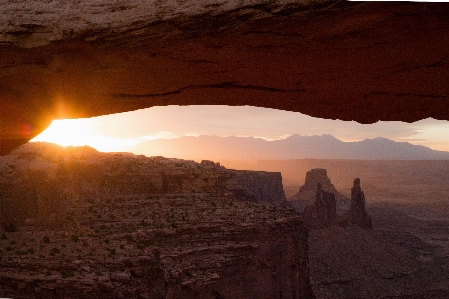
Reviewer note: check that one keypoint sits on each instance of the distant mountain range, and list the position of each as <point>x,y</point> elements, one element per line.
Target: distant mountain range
<point>293,147</point>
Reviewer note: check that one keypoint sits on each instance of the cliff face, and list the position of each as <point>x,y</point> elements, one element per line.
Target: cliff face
<point>265,186</point>
<point>308,192</point>
<point>323,212</point>
<point>209,247</point>
<point>81,224</point>
<point>37,180</point>
<point>314,177</point>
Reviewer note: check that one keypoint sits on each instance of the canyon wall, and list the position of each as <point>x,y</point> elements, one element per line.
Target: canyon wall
<point>39,180</point>
<point>308,193</point>
<point>245,261</point>
<point>266,186</point>
<point>77,223</point>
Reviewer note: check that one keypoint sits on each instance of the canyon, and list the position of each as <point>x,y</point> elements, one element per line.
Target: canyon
<point>77,223</point>
<point>335,59</point>
<point>39,179</point>
<point>381,250</point>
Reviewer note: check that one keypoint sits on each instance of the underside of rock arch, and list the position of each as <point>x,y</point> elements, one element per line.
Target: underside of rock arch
<point>341,60</point>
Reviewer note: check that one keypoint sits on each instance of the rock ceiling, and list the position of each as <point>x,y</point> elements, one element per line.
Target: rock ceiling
<point>342,60</point>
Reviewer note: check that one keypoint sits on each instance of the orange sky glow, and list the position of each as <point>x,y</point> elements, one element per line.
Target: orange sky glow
<point>118,132</point>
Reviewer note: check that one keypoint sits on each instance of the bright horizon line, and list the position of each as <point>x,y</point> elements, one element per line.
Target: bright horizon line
<point>123,148</point>
<point>121,131</point>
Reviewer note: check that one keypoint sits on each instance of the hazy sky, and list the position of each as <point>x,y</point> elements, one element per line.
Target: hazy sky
<point>115,132</point>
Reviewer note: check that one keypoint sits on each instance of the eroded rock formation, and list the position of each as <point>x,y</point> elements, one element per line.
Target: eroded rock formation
<point>323,212</point>
<point>329,206</point>
<point>330,59</point>
<point>357,213</point>
<point>313,178</point>
<point>127,226</point>
<point>38,179</point>
<point>308,192</point>
<point>162,247</point>
<point>266,187</point>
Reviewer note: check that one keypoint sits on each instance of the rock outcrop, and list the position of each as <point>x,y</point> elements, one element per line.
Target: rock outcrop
<point>329,206</point>
<point>266,187</point>
<point>308,192</point>
<point>38,178</point>
<point>314,177</point>
<point>161,247</point>
<point>357,213</point>
<point>329,59</point>
<point>129,226</point>
<point>323,212</point>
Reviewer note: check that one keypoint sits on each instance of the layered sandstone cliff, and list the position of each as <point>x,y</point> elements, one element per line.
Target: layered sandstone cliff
<point>266,186</point>
<point>38,180</point>
<point>162,247</point>
<point>308,191</point>
<point>81,224</point>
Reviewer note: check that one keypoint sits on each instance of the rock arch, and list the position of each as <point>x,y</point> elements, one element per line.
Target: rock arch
<point>333,59</point>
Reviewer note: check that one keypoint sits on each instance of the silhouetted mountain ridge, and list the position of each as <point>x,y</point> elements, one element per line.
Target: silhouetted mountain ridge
<point>292,147</point>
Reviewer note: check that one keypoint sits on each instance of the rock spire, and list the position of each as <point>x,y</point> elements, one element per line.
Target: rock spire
<point>323,212</point>
<point>357,213</point>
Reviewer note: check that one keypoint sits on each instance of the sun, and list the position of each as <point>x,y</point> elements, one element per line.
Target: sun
<point>79,132</point>
<point>68,132</point>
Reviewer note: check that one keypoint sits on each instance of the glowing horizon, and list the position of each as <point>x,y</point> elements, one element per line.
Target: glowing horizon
<point>119,132</point>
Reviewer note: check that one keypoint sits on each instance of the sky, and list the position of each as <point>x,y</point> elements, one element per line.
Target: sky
<point>116,132</point>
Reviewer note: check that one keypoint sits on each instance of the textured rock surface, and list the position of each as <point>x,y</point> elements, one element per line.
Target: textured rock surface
<point>38,179</point>
<point>26,24</point>
<point>265,186</point>
<point>328,206</point>
<point>169,228</point>
<point>323,212</point>
<point>357,212</point>
<point>308,193</point>
<point>353,262</point>
<point>313,178</point>
<point>207,247</point>
<point>351,61</point>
